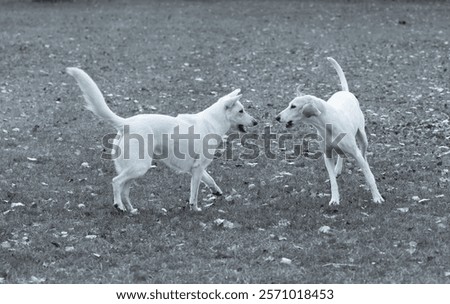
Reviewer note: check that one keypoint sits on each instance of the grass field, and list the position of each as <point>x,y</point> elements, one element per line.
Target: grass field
<point>57,222</point>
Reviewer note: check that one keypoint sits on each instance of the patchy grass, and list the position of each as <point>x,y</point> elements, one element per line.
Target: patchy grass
<point>395,55</point>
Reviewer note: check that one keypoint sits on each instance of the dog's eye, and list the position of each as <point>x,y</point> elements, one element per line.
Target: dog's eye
<point>293,106</point>
<point>241,111</point>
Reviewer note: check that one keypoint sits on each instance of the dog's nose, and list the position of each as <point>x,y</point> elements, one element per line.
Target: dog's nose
<point>278,118</point>
<point>255,123</point>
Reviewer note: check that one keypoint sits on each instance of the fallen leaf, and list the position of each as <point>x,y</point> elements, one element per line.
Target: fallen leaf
<point>69,249</point>
<point>5,245</point>
<point>218,221</point>
<point>442,226</point>
<point>269,259</point>
<point>228,225</point>
<point>284,223</point>
<point>325,229</point>
<point>412,247</point>
<point>229,198</point>
<point>210,198</point>
<point>286,261</point>
<point>36,280</point>
<point>13,205</point>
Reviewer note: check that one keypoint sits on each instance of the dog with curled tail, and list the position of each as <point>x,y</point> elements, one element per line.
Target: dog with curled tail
<point>185,143</point>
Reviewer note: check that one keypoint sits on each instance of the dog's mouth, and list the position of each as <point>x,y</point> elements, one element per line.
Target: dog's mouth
<point>289,124</point>
<point>241,128</point>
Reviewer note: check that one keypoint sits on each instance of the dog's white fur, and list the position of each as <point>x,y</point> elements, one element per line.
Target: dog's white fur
<point>343,113</point>
<point>226,113</point>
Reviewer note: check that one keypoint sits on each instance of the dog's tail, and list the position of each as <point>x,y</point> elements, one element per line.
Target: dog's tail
<point>94,98</point>
<point>341,75</point>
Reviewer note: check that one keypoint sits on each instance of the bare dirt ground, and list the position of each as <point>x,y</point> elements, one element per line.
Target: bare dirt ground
<point>57,223</point>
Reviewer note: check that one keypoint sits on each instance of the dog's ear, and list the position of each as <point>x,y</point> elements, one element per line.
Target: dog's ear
<point>310,110</point>
<point>230,102</point>
<point>230,95</point>
<point>298,92</point>
<point>234,93</point>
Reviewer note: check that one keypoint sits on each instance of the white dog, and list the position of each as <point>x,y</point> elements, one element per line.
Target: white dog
<point>337,117</point>
<point>185,143</point>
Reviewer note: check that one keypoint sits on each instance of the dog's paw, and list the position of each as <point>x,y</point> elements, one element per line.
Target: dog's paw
<point>217,193</point>
<point>134,211</point>
<point>334,202</point>
<point>378,199</point>
<point>120,208</point>
<point>195,208</point>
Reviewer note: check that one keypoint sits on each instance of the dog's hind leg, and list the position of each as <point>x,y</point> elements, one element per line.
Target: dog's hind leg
<point>197,173</point>
<point>361,137</point>
<point>126,196</point>
<point>370,179</point>
<point>334,186</point>
<point>118,184</point>
<point>131,171</point>
<point>209,181</point>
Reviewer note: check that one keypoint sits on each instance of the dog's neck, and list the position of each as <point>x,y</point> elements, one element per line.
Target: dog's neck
<point>218,120</point>
<point>320,122</point>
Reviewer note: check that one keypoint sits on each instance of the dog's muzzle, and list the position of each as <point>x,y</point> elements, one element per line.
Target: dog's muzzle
<point>278,118</point>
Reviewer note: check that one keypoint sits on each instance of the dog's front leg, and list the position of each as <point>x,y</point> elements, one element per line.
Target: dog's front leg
<point>339,164</point>
<point>370,179</point>
<point>209,181</point>
<point>334,187</point>
<point>197,174</point>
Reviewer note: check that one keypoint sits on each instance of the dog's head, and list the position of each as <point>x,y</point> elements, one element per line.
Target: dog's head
<point>302,108</point>
<point>235,112</point>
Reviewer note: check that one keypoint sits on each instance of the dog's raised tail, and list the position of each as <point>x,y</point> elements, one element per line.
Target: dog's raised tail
<point>94,98</point>
<point>341,75</point>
